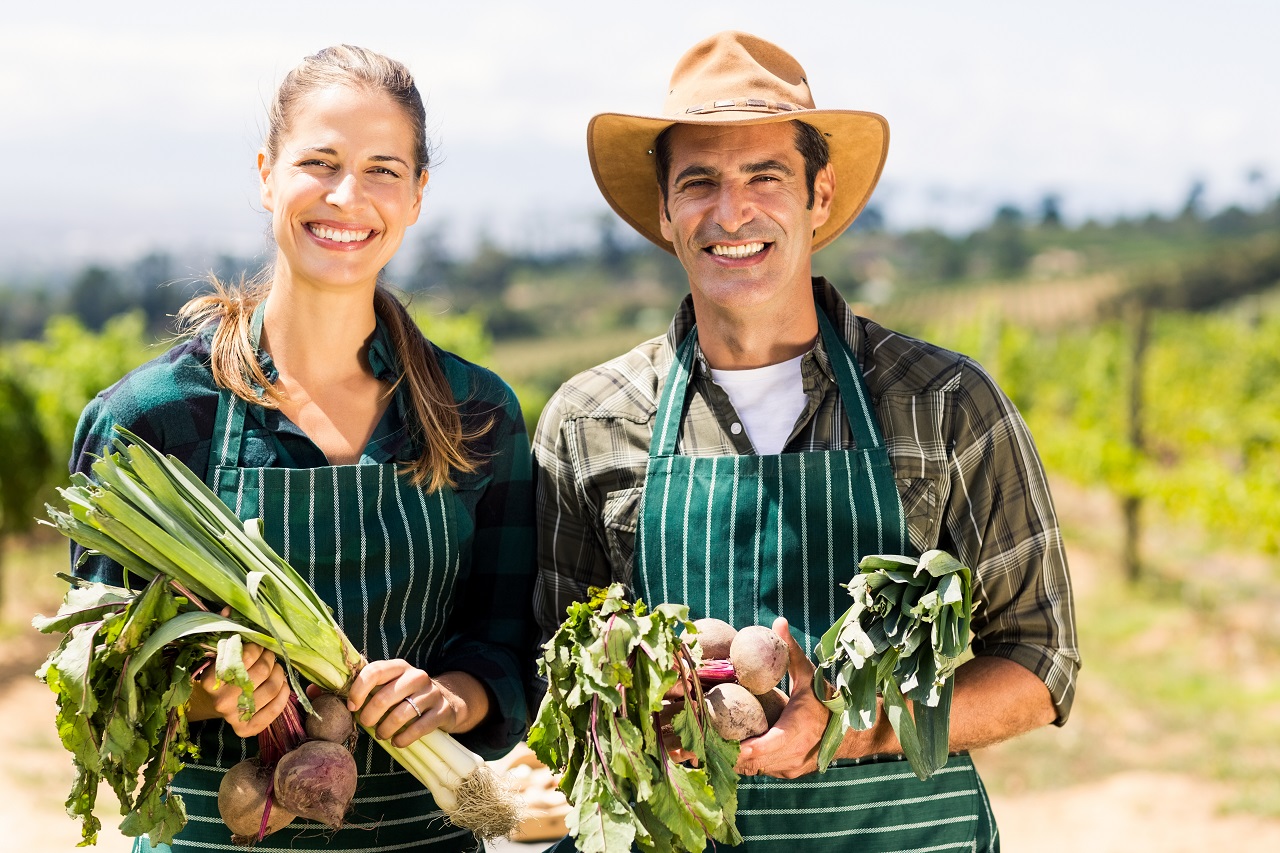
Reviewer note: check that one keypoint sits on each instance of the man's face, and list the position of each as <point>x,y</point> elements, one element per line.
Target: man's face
<point>739,219</point>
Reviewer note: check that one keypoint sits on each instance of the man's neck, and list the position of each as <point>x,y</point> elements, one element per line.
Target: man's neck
<point>744,340</point>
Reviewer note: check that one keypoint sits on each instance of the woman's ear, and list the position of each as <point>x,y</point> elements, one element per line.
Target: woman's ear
<point>417,200</point>
<point>264,186</point>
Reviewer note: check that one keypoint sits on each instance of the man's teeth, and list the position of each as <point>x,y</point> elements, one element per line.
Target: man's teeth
<point>744,251</point>
<point>338,235</point>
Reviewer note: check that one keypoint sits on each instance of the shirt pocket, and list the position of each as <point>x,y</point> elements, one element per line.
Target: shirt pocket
<point>921,507</point>
<point>620,516</point>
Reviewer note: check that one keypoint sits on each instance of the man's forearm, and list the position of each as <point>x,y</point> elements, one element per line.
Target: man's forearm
<point>995,699</point>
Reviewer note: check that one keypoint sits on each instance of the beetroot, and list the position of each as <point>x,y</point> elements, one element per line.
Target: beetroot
<point>317,780</point>
<point>714,637</point>
<point>734,713</point>
<point>759,658</point>
<point>244,795</point>
<point>330,720</point>
<point>773,702</point>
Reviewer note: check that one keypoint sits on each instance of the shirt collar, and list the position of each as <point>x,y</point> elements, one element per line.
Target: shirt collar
<point>824,293</point>
<point>388,440</point>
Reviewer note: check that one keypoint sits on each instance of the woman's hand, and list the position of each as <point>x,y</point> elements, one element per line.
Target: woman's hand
<point>211,698</point>
<point>400,702</point>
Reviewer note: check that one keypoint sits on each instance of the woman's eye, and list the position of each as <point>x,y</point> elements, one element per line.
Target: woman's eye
<point>312,163</point>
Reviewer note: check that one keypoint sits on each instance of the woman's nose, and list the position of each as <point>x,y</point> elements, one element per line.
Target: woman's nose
<point>345,192</point>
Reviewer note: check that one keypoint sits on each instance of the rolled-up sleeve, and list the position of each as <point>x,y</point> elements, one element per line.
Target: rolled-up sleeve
<point>1001,522</point>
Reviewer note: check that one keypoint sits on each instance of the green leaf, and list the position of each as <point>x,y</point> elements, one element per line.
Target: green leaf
<point>895,706</point>
<point>87,603</point>
<point>933,725</point>
<point>230,669</point>
<point>608,666</point>
<point>909,623</point>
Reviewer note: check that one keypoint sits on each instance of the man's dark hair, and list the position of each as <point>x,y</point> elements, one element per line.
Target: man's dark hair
<point>810,142</point>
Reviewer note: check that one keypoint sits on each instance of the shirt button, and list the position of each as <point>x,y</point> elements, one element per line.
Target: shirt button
<point>736,429</point>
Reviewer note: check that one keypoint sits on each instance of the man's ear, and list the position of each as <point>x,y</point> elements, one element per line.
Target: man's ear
<point>264,186</point>
<point>664,217</point>
<point>824,192</point>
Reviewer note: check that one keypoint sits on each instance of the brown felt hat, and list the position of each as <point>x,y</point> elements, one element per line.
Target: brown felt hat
<point>734,77</point>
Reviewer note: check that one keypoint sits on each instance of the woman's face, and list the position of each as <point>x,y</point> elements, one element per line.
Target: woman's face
<point>342,189</point>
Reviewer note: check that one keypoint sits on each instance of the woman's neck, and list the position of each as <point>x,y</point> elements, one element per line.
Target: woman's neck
<point>322,338</point>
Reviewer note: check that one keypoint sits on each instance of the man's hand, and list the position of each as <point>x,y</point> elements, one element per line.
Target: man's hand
<point>790,748</point>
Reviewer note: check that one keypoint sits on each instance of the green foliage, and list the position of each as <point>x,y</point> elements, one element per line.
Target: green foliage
<point>131,732</point>
<point>901,637</point>
<point>1210,411</point>
<point>70,364</point>
<point>27,465</point>
<point>461,333</point>
<point>608,667</point>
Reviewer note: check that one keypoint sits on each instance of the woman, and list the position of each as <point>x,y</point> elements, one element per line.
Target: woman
<point>393,475</point>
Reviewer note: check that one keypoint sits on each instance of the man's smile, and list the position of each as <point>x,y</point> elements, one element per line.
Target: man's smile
<point>746,250</point>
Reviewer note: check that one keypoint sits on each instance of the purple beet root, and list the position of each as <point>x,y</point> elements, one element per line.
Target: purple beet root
<point>317,780</point>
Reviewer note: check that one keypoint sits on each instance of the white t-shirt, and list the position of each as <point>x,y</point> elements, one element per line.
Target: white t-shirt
<point>768,399</point>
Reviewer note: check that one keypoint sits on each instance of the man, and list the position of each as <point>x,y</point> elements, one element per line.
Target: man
<point>743,463</point>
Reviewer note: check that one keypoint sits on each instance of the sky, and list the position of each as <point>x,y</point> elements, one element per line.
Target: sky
<point>134,126</point>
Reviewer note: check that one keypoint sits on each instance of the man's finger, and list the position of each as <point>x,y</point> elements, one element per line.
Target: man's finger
<point>799,667</point>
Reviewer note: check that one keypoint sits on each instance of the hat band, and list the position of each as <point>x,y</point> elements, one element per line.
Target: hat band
<point>751,104</point>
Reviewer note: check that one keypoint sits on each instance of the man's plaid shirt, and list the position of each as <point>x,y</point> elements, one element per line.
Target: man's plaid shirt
<point>967,471</point>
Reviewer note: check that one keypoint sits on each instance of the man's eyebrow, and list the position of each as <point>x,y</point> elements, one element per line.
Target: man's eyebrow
<point>695,172</point>
<point>768,166</point>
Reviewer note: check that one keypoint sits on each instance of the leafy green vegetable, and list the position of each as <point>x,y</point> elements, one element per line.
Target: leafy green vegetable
<point>608,667</point>
<point>908,625</point>
<point>129,730</point>
<point>123,672</point>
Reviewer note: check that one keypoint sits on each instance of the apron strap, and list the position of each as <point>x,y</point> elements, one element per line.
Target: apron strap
<point>672,399</point>
<point>228,423</point>
<point>854,397</point>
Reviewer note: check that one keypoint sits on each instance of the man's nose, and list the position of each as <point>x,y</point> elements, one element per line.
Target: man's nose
<point>734,208</point>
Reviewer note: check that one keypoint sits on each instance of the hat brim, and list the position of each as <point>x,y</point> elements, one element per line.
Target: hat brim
<point>620,147</point>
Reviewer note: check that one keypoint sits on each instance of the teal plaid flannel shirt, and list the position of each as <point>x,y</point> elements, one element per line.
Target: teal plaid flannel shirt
<point>171,403</point>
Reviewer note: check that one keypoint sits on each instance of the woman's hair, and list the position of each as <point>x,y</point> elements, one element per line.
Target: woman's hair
<point>436,425</point>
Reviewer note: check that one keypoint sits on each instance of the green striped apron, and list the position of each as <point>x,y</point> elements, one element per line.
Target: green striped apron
<point>384,554</point>
<point>749,538</point>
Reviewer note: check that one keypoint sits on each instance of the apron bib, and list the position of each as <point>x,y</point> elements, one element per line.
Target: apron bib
<point>749,538</point>
<point>384,555</point>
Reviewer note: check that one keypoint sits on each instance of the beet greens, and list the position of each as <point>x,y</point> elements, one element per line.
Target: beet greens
<point>607,668</point>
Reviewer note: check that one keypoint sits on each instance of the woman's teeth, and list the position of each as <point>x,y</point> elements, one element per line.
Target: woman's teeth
<point>744,251</point>
<point>338,235</point>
